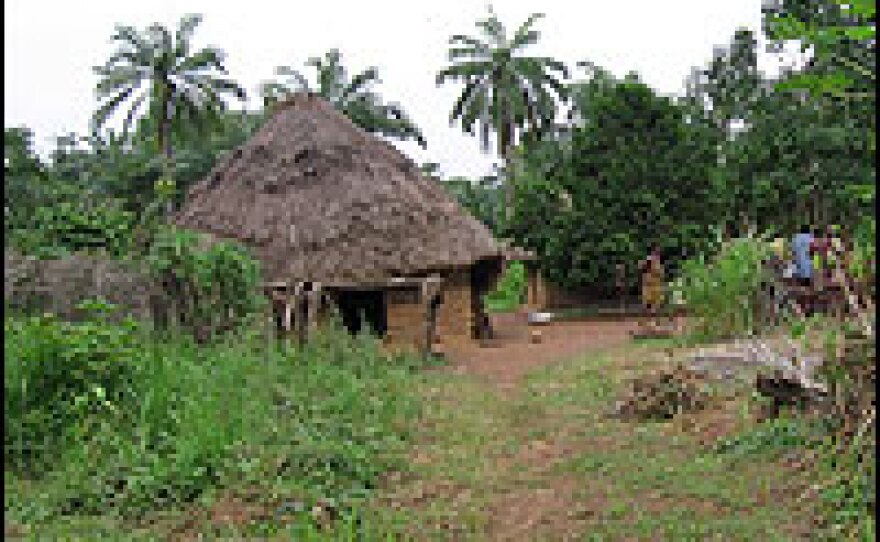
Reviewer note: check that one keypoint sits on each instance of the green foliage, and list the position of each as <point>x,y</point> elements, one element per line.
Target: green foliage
<point>23,178</point>
<point>73,225</point>
<point>504,91</point>
<point>157,70</point>
<point>56,373</point>
<point>864,248</point>
<point>774,437</point>
<point>724,293</point>
<point>156,423</point>
<point>482,199</point>
<point>218,282</point>
<point>730,83</point>
<point>633,172</point>
<point>509,294</point>
<point>847,484</point>
<point>843,37</point>
<point>799,161</point>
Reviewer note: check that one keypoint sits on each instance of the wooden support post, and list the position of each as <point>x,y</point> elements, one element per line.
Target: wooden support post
<point>429,289</point>
<point>313,301</point>
<point>287,314</point>
<point>296,308</point>
<point>425,301</point>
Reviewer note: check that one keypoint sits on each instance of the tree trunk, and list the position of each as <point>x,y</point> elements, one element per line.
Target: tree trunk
<point>165,142</point>
<point>504,137</point>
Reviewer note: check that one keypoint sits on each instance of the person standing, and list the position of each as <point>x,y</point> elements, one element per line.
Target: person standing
<point>801,246</point>
<point>653,275</point>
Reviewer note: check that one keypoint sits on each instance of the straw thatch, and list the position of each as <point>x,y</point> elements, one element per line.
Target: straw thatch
<point>319,199</point>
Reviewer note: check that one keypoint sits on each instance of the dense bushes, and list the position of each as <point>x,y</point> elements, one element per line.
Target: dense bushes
<point>138,424</point>
<point>74,223</point>
<point>215,282</point>
<point>724,293</point>
<point>634,172</point>
<point>54,373</point>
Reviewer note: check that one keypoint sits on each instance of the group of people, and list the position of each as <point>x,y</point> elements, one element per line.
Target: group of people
<point>816,261</point>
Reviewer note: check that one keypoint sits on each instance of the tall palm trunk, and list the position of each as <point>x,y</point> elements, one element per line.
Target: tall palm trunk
<point>504,141</point>
<point>164,141</point>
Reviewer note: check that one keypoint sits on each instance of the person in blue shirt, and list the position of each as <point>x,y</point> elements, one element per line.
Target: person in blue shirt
<point>800,247</point>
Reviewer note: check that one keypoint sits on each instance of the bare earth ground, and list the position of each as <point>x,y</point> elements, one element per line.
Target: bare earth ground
<point>510,355</point>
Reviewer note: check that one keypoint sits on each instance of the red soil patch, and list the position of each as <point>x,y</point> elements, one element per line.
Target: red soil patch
<point>505,359</point>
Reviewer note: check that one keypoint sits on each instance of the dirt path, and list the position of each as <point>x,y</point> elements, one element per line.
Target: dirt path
<point>511,354</point>
<point>515,444</point>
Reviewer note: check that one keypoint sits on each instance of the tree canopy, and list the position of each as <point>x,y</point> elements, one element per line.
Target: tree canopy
<point>157,71</point>
<point>504,90</point>
<point>633,172</point>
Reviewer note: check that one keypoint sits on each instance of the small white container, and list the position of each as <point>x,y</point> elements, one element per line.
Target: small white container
<point>539,318</point>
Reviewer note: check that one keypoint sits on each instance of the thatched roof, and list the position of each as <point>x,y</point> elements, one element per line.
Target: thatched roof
<point>319,199</point>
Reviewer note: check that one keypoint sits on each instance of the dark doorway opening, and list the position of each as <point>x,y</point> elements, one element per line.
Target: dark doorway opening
<point>484,275</point>
<point>360,309</point>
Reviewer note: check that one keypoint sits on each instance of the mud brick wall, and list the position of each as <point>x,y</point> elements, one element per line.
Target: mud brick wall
<point>455,316</point>
<point>59,285</point>
<point>406,318</point>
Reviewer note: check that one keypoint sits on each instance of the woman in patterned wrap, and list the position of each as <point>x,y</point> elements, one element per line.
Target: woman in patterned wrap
<point>652,280</point>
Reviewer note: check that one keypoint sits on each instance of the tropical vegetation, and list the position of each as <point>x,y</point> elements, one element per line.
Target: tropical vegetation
<point>111,423</point>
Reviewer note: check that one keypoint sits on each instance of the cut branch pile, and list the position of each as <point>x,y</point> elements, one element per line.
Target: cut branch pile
<point>664,395</point>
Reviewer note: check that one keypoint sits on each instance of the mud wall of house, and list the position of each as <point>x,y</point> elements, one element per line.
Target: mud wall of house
<point>59,285</point>
<point>455,316</point>
<point>405,316</point>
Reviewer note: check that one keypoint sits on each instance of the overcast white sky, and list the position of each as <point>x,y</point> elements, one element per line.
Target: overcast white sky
<point>51,47</point>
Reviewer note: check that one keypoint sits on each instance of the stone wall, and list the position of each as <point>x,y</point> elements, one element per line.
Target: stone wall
<point>59,285</point>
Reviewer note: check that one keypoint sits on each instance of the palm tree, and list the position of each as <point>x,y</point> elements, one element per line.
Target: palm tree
<point>504,91</point>
<point>157,71</point>
<point>354,98</point>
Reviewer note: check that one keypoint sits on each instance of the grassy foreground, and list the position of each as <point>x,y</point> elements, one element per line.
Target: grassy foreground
<point>548,463</point>
<point>115,434</point>
<point>243,441</point>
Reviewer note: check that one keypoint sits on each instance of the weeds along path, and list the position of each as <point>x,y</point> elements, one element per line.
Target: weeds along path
<point>536,457</point>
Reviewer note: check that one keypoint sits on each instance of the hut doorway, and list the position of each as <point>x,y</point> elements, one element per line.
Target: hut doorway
<point>360,309</point>
<point>484,277</point>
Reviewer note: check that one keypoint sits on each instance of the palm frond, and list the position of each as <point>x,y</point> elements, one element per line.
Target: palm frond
<point>298,78</point>
<point>359,82</point>
<point>493,28</point>
<point>464,99</point>
<point>204,59</point>
<point>184,33</point>
<point>130,35</point>
<point>464,70</point>
<point>109,107</point>
<point>161,39</point>
<point>524,35</point>
<point>132,112</point>
<point>111,81</point>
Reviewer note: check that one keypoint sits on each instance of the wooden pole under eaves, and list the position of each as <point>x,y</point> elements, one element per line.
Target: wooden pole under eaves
<point>429,289</point>
<point>294,302</point>
<point>313,301</point>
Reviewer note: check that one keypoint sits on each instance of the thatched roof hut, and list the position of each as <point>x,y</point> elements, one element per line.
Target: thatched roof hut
<point>318,198</point>
<point>321,201</point>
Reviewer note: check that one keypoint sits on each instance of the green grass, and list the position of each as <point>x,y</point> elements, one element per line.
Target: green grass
<point>331,421</point>
<point>178,425</point>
